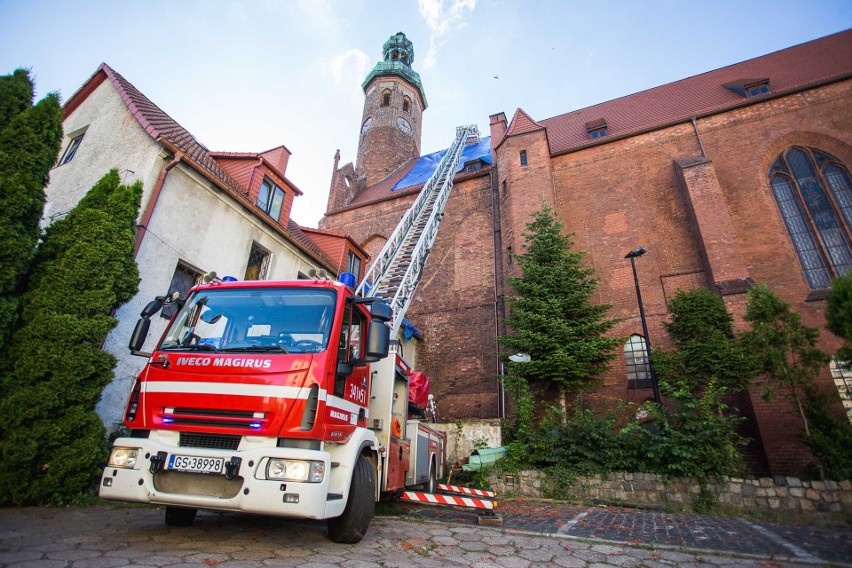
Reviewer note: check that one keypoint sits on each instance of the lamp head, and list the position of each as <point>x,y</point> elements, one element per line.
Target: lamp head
<point>638,251</point>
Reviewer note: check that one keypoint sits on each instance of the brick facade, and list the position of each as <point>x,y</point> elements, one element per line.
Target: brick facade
<point>694,190</point>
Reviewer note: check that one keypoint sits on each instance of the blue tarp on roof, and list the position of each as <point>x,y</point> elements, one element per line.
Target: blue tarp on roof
<point>426,165</point>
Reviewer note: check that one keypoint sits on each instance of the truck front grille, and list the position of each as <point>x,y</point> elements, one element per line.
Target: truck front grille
<point>211,441</point>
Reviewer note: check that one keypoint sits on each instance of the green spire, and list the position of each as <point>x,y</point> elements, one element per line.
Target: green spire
<point>398,54</point>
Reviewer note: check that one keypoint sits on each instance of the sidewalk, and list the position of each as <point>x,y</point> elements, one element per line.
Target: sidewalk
<point>802,542</point>
<point>115,537</point>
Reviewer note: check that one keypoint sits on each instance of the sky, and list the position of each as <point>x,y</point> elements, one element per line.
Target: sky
<point>247,76</point>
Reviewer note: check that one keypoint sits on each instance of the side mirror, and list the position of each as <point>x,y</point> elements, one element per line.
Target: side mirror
<point>378,341</point>
<point>344,369</point>
<point>140,332</point>
<point>153,307</point>
<point>381,311</point>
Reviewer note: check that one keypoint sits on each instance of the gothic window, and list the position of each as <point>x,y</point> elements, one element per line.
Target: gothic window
<point>814,195</point>
<point>523,157</point>
<point>406,104</point>
<point>636,360</point>
<point>386,98</point>
<point>841,372</point>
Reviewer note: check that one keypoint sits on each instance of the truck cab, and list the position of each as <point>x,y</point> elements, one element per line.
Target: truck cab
<point>255,399</point>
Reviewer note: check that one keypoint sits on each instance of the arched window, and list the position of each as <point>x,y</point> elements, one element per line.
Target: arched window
<point>406,104</point>
<point>386,98</point>
<point>636,360</point>
<point>814,195</point>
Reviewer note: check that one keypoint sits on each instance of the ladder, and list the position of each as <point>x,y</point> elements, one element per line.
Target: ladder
<point>395,273</point>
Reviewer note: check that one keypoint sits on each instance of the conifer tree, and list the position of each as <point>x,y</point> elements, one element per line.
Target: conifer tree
<point>552,316</point>
<point>29,142</point>
<point>838,314</point>
<point>84,268</point>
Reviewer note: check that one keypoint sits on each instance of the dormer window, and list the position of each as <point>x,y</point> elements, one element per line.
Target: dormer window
<point>759,89</point>
<point>749,88</point>
<point>596,128</point>
<point>270,198</point>
<point>473,166</point>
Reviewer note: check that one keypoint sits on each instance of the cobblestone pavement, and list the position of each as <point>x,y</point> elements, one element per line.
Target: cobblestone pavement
<point>105,537</point>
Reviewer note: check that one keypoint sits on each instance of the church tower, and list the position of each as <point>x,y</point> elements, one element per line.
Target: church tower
<point>393,110</point>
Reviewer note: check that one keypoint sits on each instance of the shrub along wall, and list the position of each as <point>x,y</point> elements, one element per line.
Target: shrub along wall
<point>779,494</point>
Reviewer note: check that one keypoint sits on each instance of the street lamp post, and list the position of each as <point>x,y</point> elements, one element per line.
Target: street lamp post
<point>639,251</point>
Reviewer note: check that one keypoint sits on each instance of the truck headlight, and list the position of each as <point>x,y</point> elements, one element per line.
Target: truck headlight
<point>295,470</point>
<point>123,457</point>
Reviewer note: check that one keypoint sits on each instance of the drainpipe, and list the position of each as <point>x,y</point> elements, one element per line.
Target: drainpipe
<point>152,202</point>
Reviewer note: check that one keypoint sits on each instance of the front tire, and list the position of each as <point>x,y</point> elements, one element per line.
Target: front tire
<point>180,516</point>
<point>352,525</point>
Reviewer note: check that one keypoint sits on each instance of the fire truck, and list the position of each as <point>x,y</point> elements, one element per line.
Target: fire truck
<point>286,398</point>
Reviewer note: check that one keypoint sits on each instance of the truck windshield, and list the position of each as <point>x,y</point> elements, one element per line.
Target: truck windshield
<point>286,320</point>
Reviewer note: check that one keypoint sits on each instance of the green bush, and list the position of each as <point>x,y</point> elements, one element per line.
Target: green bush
<point>29,142</point>
<point>52,444</point>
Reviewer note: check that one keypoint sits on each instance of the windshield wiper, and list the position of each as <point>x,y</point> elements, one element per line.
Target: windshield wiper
<point>201,347</point>
<point>255,348</point>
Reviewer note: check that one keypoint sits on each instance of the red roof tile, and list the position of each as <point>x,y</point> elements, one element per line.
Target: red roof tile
<point>522,124</point>
<point>166,130</point>
<point>809,64</point>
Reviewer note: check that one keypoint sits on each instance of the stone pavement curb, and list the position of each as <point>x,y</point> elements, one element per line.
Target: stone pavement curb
<point>113,537</point>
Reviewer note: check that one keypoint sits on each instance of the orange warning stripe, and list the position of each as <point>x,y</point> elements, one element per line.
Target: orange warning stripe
<point>465,490</point>
<point>433,499</point>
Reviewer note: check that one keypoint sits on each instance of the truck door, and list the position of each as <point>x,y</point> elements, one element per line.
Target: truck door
<point>353,388</point>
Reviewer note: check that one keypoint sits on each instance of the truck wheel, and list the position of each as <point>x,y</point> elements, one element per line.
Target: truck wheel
<point>351,526</point>
<point>432,484</point>
<point>180,516</point>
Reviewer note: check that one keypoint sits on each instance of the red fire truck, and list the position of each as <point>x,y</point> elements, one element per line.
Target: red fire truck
<point>285,398</point>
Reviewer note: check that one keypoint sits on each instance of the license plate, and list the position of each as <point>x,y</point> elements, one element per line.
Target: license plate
<point>196,464</point>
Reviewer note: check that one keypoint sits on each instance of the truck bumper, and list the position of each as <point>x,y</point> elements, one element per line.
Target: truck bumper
<point>249,490</point>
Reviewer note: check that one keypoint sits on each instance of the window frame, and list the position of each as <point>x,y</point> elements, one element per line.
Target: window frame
<point>263,268</point>
<point>524,160</point>
<point>636,361</point>
<point>169,310</point>
<point>353,264</point>
<point>71,149</point>
<point>818,166</point>
<point>270,198</point>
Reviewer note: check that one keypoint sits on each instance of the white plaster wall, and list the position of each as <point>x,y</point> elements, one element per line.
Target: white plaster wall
<point>114,139</point>
<point>202,226</point>
<point>193,222</point>
<point>464,436</point>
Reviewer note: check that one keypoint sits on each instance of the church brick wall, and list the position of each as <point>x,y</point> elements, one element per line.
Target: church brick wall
<point>619,195</point>
<point>455,304</point>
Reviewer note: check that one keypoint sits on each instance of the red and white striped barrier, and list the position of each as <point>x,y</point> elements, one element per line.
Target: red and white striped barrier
<point>465,490</point>
<point>433,499</point>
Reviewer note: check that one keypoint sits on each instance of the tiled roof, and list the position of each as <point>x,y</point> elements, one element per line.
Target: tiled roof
<point>522,124</point>
<point>165,129</point>
<point>411,176</point>
<point>809,64</point>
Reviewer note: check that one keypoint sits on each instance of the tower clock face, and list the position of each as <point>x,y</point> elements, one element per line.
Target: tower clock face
<point>403,125</point>
<point>366,126</point>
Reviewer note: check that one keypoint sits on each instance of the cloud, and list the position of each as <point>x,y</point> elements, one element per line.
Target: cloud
<point>350,68</point>
<point>443,17</point>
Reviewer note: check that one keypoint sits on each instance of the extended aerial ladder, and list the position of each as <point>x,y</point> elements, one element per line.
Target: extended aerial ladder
<point>398,267</point>
<point>394,276</point>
